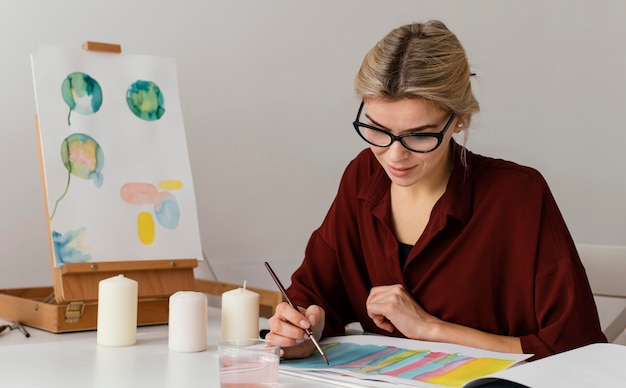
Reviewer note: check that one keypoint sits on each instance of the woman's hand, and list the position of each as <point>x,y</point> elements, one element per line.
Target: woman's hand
<point>393,307</point>
<point>287,327</point>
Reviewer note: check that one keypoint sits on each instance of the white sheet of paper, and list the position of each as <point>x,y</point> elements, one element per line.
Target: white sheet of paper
<point>596,365</point>
<point>156,218</point>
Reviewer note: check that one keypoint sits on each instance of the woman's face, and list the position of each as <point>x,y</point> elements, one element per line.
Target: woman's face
<point>404,167</point>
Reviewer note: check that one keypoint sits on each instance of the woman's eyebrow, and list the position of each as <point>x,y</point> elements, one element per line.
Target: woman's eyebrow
<point>416,129</point>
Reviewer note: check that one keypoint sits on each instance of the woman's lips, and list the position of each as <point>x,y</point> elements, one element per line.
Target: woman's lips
<point>399,171</point>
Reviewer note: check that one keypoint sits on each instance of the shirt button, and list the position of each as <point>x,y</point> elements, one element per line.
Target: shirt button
<point>409,268</point>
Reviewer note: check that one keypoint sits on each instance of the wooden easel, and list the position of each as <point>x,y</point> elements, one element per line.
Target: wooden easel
<point>78,281</point>
<point>71,304</point>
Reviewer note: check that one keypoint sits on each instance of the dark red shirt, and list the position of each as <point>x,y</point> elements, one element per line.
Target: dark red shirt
<point>496,255</point>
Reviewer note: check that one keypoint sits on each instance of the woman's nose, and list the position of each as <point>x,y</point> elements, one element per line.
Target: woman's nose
<point>397,150</point>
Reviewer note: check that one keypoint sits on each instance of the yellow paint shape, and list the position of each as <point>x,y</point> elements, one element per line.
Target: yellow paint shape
<point>476,368</point>
<point>170,184</point>
<point>145,228</point>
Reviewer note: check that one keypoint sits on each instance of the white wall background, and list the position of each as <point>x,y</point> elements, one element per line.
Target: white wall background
<point>266,89</point>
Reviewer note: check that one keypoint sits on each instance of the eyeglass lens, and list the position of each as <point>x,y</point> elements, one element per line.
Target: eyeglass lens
<point>422,142</point>
<point>383,139</point>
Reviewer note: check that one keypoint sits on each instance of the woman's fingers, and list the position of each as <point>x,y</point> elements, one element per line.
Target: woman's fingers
<point>288,325</point>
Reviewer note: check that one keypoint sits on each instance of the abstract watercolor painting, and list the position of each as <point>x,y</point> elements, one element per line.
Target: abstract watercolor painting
<point>117,177</point>
<point>400,361</point>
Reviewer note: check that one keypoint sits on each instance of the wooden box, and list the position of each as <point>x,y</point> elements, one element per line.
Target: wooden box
<point>72,304</point>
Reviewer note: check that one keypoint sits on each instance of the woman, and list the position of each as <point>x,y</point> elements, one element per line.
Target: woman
<point>428,240</point>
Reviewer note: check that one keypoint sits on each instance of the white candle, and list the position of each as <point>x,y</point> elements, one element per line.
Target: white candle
<point>188,322</point>
<point>117,311</point>
<point>240,314</point>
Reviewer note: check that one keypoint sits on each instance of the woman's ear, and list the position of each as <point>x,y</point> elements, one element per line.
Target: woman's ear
<point>461,124</point>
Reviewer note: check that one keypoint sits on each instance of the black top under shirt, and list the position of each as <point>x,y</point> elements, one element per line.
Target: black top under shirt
<point>403,253</point>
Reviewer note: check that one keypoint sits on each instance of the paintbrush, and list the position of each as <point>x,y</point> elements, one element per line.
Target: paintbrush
<point>290,301</point>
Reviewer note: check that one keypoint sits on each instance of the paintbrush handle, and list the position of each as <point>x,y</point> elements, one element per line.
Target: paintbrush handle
<point>280,286</point>
<point>283,291</point>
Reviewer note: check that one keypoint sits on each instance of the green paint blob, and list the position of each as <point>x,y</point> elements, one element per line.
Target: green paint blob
<point>81,93</point>
<point>83,157</point>
<point>145,100</point>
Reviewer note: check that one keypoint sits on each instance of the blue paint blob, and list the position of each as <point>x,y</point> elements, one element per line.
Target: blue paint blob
<point>168,214</point>
<point>69,248</point>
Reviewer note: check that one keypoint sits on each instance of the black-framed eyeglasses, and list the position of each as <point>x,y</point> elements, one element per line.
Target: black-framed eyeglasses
<point>416,142</point>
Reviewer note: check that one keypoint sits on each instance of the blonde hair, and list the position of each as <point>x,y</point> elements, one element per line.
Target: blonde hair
<point>419,60</point>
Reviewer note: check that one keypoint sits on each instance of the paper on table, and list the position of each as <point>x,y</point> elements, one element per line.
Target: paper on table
<point>378,361</point>
<point>596,365</point>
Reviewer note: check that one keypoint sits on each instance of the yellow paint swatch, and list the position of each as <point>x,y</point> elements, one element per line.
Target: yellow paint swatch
<point>476,368</point>
<point>170,184</point>
<point>145,228</point>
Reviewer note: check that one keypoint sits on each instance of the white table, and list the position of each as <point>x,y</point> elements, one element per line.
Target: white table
<point>75,360</point>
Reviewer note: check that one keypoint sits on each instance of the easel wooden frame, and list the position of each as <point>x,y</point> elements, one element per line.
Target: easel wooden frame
<point>71,304</point>
<point>79,281</point>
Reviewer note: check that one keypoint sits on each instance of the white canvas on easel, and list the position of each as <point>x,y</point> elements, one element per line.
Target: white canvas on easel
<point>127,193</point>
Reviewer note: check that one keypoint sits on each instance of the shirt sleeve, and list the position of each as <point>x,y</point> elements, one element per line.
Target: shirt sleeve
<point>564,306</point>
<point>566,312</point>
<point>316,282</point>
<point>321,279</point>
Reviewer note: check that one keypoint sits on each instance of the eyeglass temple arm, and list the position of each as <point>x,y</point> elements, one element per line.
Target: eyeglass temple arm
<point>15,325</point>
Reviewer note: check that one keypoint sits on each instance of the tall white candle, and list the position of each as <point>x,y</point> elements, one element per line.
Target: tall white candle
<point>188,321</point>
<point>240,314</point>
<point>117,311</point>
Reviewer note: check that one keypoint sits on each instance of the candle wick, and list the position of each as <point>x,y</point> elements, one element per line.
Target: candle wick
<point>244,284</point>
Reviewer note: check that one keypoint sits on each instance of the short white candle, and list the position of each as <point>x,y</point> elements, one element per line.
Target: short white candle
<point>117,311</point>
<point>240,314</point>
<point>188,318</point>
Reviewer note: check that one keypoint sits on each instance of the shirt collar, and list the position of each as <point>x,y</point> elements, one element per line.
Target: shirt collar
<point>456,200</point>
<point>458,197</point>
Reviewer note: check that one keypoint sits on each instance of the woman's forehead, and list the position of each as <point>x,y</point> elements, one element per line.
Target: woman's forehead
<point>407,107</point>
